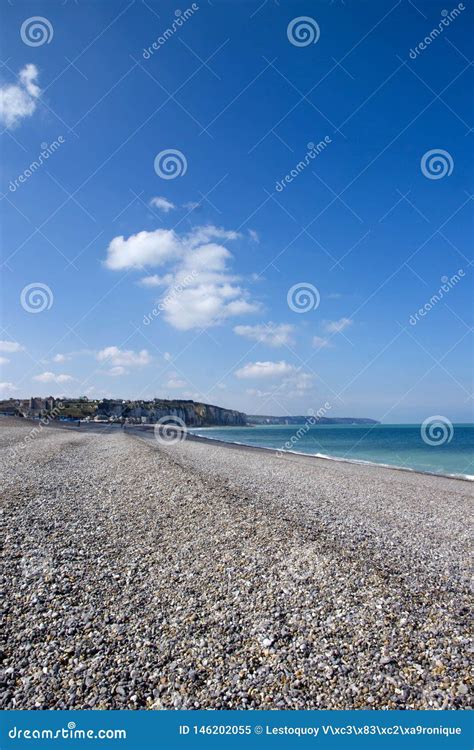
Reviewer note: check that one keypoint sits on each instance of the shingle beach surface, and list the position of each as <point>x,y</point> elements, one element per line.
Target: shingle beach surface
<point>200,576</point>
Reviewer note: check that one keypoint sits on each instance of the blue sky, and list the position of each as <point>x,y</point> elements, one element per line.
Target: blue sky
<point>239,90</point>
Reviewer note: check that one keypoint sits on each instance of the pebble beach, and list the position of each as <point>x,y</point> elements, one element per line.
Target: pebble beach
<point>196,575</point>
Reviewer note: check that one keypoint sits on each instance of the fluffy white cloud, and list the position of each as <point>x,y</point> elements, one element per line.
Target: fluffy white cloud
<point>287,381</point>
<point>11,347</point>
<point>19,100</point>
<point>7,387</point>
<point>319,342</point>
<point>265,370</point>
<point>201,235</point>
<point>269,333</point>
<point>4,360</point>
<point>200,290</point>
<point>163,204</point>
<point>51,377</point>
<point>60,358</point>
<point>336,326</point>
<point>160,246</point>
<point>123,357</point>
<point>174,383</point>
<point>116,371</point>
<point>206,305</point>
<point>143,249</point>
<point>28,76</point>
<point>157,280</point>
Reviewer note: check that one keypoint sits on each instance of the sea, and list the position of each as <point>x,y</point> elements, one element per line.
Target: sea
<point>437,448</point>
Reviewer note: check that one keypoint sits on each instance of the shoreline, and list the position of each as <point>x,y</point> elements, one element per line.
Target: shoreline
<point>324,457</point>
<point>190,435</point>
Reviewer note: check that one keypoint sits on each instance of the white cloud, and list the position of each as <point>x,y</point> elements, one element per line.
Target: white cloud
<point>11,346</point>
<point>300,383</point>
<point>336,326</point>
<point>254,235</point>
<point>192,205</point>
<point>142,249</point>
<point>207,305</point>
<point>7,387</point>
<point>116,371</point>
<point>160,246</point>
<point>269,333</point>
<point>257,392</point>
<point>4,360</point>
<point>193,395</point>
<point>60,358</point>
<point>201,290</point>
<point>204,305</point>
<point>295,385</point>
<point>175,383</point>
<point>157,280</point>
<point>163,204</point>
<point>28,76</point>
<point>201,235</point>
<point>265,370</point>
<point>123,357</point>
<point>51,377</point>
<point>19,100</point>
<point>289,381</point>
<point>319,342</point>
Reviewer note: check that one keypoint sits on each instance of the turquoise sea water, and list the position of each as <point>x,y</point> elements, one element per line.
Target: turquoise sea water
<point>452,451</point>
